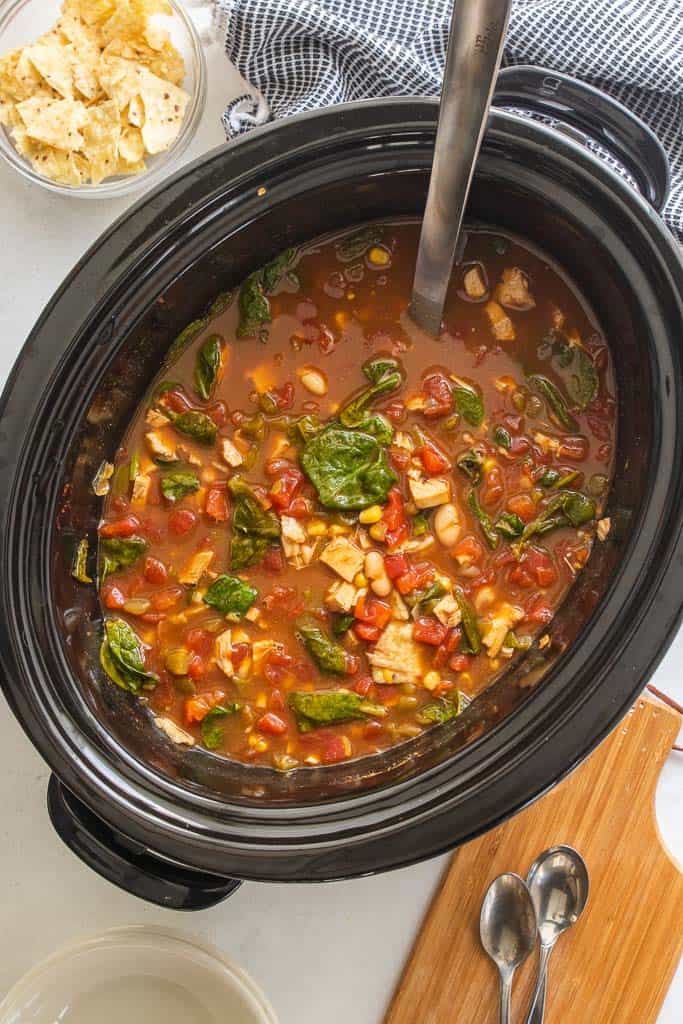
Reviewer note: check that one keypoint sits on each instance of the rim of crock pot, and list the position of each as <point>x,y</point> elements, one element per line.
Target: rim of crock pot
<point>165,807</point>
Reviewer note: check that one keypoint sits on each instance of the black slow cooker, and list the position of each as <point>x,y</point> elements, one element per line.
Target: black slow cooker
<point>178,826</point>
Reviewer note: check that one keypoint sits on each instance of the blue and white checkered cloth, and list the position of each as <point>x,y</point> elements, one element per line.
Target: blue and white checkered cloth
<point>301,54</point>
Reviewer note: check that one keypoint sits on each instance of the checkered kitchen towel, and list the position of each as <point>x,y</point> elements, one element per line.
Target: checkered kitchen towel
<point>303,54</point>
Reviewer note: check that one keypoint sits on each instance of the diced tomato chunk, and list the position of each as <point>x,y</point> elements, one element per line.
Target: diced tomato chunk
<point>284,395</point>
<point>277,701</point>
<point>219,413</point>
<point>372,730</point>
<point>274,560</point>
<point>239,653</point>
<point>162,600</point>
<point>363,686</point>
<point>438,396</point>
<point>200,641</point>
<point>372,611</point>
<point>155,571</point>
<point>299,507</point>
<point>400,457</point>
<point>176,401</point>
<point>125,527</point>
<point>520,575</point>
<point>285,486</point>
<point>197,668</point>
<point>364,631</point>
<point>538,610</point>
<point>395,565</point>
<point>272,724</point>
<point>540,564</point>
<point>395,519</point>
<point>468,550</point>
<point>217,505</point>
<point>523,506</point>
<point>429,630</point>
<point>576,448</point>
<point>335,748</point>
<point>112,596</point>
<point>433,460</point>
<point>196,709</point>
<point>181,521</point>
<point>492,489</point>
<point>459,663</point>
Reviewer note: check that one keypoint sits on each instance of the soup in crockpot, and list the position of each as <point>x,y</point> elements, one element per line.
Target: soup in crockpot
<point>326,531</point>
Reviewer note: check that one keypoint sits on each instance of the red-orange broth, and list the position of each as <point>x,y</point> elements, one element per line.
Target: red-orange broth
<point>274,629</point>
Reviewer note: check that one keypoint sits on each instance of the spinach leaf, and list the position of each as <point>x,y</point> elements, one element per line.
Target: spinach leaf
<point>427,598</point>
<point>175,486</point>
<point>119,553</point>
<point>185,338</point>
<point>509,525</point>
<point>557,406</point>
<point>357,244</point>
<point>329,707</point>
<point>273,271</point>
<point>378,426</point>
<point>516,643</point>
<point>122,658</point>
<point>221,303</point>
<point>254,426</point>
<point>502,438</point>
<point>419,524</point>
<point>348,468</point>
<point>208,366</point>
<point>304,428</point>
<point>328,656</point>
<point>471,641</point>
<point>163,387</point>
<point>385,375</point>
<point>549,478</point>
<point>487,528</point>
<point>212,731</point>
<point>254,307</point>
<point>254,527</point>
<point>442,710</point>
<point>231,596</point>
<point>575,366</point>
<point>79,568</point>
<point>566,508</point>
<point>471,464</point>
<point>468,403</point>
<point>194,424</point>
<point>342,623</point>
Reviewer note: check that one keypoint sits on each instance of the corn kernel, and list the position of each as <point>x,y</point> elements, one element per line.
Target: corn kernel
<point>257,743</point>
<point>379,256</point>
<point>431,680</point>
<point>338,530</point>
<point>316,528</point>
<point>489,464</point>
<point>387,675</point>
<point>312,759</point>
<point>261,701</point>
<point>360,580</point>
<point>371,515</point>
<point>378,531</point>
<point>245,668</point>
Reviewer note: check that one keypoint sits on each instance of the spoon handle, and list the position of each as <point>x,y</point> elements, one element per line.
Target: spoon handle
<point>505,999</point>
<point>537,1011</point>
<point>475,49</point>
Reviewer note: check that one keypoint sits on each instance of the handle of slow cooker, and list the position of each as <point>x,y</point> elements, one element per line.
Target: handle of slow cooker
<point>127,864</point>
<point>588,110</point>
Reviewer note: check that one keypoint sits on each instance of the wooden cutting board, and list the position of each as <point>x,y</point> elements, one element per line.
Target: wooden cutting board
<point>616,964</point>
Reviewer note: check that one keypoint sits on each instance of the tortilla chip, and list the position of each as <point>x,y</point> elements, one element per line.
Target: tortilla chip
<point>131,146</point>
<point>59,166</point>
<point>126,168</point>
<point>136,112</point>
<point>52,61</point>
<point>84,54</point>
<point>92,12</point>
<point>130,18</point>
<point>164,111</point>
<point>54,122</point>
<point>101,134</point>
<point>166,62</point>
<point>120,80</point>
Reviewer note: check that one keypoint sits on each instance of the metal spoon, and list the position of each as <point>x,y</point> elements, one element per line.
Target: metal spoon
<point>558,883</point>
<point>507,927</point>
<point>475,48</point>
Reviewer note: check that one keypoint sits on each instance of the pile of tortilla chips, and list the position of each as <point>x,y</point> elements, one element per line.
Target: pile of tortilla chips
<point>95,94</point>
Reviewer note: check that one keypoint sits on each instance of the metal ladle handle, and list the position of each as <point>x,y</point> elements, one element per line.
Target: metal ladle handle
<point>475,49</point>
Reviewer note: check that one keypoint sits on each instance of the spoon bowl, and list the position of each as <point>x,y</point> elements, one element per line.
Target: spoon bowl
<point>507,927</point>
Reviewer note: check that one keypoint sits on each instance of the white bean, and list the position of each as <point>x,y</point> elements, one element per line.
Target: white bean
<point>313,380</point>
<point>380,583</point>
<point>447,524</point>
<point>381,586</point>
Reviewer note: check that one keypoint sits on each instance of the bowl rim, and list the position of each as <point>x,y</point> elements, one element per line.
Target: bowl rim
<point>124,185</point>
<point>335,843</point>
<point>28,984</point>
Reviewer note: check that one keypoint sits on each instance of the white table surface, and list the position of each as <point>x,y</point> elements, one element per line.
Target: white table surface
<point>327,953</point>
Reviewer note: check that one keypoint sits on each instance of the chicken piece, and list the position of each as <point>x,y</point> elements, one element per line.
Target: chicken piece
<point>161,447</point>
<point>396,657</point>
<point>261,648</point>
<point>501,324</point>
<point>344,557</point>
<point>293,530</point>
<point>156,419</point>
<point>174,732</point>
<point>447,611</point>
<point>403,440</point>
<point>341,596</point>
<point>196,567</point>
<point>475,285</point>
<point>223,653</point>
<point>230,453</point>
<point>513,290</point>
<point>399,609</point>
<point>603,528</point>
<point>495,629</point>
<point>430,492</point>
<point>141,487</point>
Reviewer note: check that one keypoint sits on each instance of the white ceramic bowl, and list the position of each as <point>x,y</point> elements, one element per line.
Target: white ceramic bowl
<point>22,21</point>
<point>134,974</point>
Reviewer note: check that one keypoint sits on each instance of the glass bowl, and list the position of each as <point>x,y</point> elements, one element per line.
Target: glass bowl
<point>22,21</point>
<point>136,973</point>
